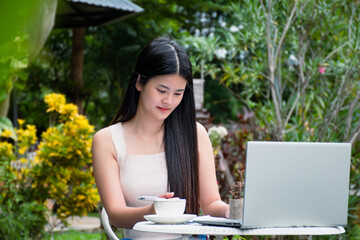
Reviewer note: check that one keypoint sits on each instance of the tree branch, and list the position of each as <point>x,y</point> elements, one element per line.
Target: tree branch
<point>355,135</point>
<point>341,96</point>
<point>335,50</point>
<point>301,57</point>
<point>295,103</point>
<point>350,114</point>
<point>236,95</point>
<point>263,75</point>
<point>335,108</point>
<point>274,94</point>
<point>287,26</point>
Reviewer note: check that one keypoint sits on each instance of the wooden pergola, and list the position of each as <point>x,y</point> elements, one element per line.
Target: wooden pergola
<point>86,13</point>
<point>80,14</point>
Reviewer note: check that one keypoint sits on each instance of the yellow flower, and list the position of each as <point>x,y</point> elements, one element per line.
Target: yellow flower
<point>26,138</point>
<point>54,101</point>
<point>53,154</point>
<point>216,151</point>
<point>78,152</point>
<point>19,177</point>
<point>6,150</point>
<point>70,110</point>
<point>6,133</point>
<point>23,149</point>
<point>37,160</point>
<point>21,122</point>
<point>81,197</point>
<point>31,128</point>
<point>55,143</point>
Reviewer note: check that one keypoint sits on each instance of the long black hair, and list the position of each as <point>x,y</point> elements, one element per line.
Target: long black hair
<point>160,57</point>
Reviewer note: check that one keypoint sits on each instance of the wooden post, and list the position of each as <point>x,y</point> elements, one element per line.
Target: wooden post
<point>77,63</point>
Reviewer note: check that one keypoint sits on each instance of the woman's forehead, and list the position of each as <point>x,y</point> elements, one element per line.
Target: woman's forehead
<point>171,81</point>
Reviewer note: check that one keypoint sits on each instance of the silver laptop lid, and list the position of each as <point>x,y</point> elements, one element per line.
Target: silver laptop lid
<point>296,184</point>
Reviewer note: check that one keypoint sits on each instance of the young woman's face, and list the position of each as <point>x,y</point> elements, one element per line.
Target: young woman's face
<point>161,95</point>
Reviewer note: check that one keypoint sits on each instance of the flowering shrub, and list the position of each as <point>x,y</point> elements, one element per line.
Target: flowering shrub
<point>62,166</point>
<point>59,172</point>
<point>6,151</point>
<point>229,144</point>
<point>14,156</point>
<point>217,134</point>
<point>21,217</point>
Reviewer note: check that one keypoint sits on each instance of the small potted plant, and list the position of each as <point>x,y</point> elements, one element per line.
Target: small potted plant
<point>237,201</point>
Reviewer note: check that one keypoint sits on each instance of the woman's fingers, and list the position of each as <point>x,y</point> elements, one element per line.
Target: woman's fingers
<point>167,195</point>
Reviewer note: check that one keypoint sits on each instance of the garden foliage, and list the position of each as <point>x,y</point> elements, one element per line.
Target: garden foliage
<point>21,216</point>
<point>59,171</point>
<point>62,166</point>
<point>274,70</point>
<point>293,65</point>
<point>24,27</point>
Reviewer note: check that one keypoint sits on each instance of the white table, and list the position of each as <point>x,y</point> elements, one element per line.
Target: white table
<point>188,229</point>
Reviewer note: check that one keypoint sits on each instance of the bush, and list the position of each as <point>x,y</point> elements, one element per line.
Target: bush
<point>59,171</point>
<point>62,168</point>
<point>21,217</point>
<point>22,220</point>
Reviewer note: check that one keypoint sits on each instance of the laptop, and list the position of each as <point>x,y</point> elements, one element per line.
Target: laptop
<point>293,184</point>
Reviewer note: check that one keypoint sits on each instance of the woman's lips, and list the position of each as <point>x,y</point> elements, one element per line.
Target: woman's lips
<point>163,110</point>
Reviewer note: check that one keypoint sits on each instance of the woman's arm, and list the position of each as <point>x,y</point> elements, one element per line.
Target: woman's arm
<point>210,201</point>
<point>107,179</point>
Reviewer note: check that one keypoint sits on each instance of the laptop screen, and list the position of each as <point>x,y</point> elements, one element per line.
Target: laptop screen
<point>296,184</point>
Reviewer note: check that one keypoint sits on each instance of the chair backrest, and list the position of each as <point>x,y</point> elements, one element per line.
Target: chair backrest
<point>107,227</point>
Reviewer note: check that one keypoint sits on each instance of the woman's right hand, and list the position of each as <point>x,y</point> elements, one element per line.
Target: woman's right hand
<point>167,195</point>
<point>164,195</point>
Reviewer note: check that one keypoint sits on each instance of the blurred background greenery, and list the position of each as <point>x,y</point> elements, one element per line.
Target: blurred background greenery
<point>273,70</point>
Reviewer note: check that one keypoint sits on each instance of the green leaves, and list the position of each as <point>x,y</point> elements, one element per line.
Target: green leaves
<point>62,171</point>
<point>204,48</point>
<point>24,27</point>
<point>6,124</point>
<point>293,58</point>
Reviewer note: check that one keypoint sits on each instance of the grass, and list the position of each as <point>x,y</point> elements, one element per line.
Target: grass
<point>82,235</point>
<point>78,235</point>
<point>94,214</point>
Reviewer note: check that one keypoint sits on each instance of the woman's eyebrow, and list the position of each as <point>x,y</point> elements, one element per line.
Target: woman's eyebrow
<point>166,87</point>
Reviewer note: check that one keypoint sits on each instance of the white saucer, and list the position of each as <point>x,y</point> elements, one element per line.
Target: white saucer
<point>169,219</point>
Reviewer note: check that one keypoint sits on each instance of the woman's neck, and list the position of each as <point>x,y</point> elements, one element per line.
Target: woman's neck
<point>148,134</point>
<point>145,127</point>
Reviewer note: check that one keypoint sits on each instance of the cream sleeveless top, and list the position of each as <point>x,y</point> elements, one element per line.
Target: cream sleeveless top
<point>140,175</point>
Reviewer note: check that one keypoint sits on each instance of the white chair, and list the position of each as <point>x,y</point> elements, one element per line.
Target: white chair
<point>107,227</point>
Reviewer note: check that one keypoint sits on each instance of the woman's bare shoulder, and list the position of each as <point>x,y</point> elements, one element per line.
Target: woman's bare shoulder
<point>102,144</point>
<point>102,134</point>
<point>102,139</point>
<point>201,130</point>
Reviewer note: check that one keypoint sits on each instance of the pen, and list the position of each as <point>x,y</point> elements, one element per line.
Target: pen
<point>153,198</point>
<point>148,198</point>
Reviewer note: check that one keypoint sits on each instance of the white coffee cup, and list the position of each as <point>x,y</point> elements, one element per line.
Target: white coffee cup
<point>170,206</point>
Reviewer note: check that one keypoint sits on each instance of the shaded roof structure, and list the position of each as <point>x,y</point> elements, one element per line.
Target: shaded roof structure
<point>85,13</point>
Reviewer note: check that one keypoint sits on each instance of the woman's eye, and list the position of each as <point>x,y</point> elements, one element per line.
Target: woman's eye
<point>178,94</point>
<point>161,91</point>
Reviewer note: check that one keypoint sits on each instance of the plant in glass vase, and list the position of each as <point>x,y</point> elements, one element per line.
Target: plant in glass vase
<point>237,201</point>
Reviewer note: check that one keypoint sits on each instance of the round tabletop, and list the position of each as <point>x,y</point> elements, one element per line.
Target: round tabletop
<point>198,229</point>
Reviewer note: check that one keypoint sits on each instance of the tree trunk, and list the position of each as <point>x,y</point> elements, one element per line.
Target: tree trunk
<point>4,106</point>
<point>77,62</point>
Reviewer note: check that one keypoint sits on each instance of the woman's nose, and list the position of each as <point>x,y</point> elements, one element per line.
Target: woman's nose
<point>167,99</point>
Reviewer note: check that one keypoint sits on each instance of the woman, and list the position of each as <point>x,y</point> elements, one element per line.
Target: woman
<point>154,145</point>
